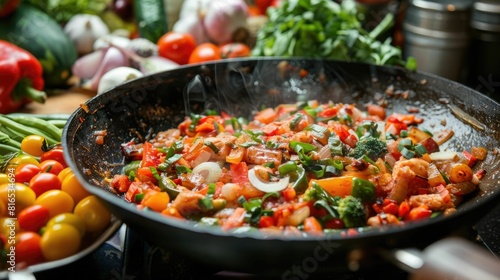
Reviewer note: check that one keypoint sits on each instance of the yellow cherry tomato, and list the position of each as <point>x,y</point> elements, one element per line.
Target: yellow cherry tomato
<point>69,218</point>
<point>16,196</point>
<point>65,172</point>
<point>20,160</point>
<point>9,227</point>
<point>72,186</point>
<point>96,216</point>
<point>32,145</point>
<point>56,201</point>
<point>4,178</point>
<point>60,241</point>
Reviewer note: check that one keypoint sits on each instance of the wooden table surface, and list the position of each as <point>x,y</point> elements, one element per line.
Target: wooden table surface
<point>61,103</point>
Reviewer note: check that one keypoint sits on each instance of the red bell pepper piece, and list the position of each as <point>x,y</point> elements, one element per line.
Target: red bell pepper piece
<point>20,78</point>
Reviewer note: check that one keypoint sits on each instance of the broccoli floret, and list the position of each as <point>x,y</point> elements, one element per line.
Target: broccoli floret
<point>351,211</point>
<point>372,147</point>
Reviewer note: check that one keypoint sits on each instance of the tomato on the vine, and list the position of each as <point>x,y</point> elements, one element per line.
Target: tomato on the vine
<point>28,248</point>
<point>205,52</point>
<point>25,172</point>
<point>33,218</point>
<point>43,182</point>
<point>176,46</point>
<point>32,145</point>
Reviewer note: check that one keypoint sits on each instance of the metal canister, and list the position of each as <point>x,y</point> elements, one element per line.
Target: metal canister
<point>436,34</point>
<point>484,54</point>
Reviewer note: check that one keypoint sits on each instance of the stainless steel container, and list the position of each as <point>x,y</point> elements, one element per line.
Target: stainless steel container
<point>436,34</point>
<point>484,54</point>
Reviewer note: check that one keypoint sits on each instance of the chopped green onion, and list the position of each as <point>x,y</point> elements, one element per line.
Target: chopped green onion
<point>420,149</point>
<point>138,197</point>
<point>157,176</point>
<point>168,162</point>
<point>301,146</point>
<point>404,143</point>
<point>211,189</point>
<point>206,204</point>
<point>212,146</point>
<point>131,176</point>
<point>295,121</point>
<point>403,133</point>
<point>182,169</point>
<point>195,118</point>
<point>178,146</point>
<point>407,153</point>
<point>287,167</point>
<point>269,164</point>
<point>248,144</point>
<point>241,200</point>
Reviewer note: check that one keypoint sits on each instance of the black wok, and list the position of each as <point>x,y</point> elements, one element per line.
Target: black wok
<point>239,87</point>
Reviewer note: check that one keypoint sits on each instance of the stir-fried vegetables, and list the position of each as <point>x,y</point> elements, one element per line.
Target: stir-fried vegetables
<point>298,169</point>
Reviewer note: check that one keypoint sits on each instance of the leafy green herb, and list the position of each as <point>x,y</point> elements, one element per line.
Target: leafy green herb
<point>325,29</point>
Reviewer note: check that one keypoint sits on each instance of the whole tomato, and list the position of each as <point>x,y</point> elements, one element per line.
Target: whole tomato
<point>205,52</point>
<point>28,249</point>
<point>232,50</point>
<point>33,218</point>
<point>43,182</point>
<point>56,154</point>
<point>60,241</point>
<point>176,46</point>
<point>51,166</point>
<point>25,172</point>
<point>95,215</point>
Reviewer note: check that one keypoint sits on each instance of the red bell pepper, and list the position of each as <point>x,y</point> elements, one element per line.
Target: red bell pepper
<point>8,6</point>
<point>21,78</point>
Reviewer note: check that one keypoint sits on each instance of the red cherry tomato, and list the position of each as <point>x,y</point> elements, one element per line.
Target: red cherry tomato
<point>51,166</point>
<point>28,249</point>
<point>205,52</point>
<point>43,182</point>
<point>176,46</point>
<point>25,172</point>
<point>55,154</point>
<point>232,50</point>
<point>33,218</point>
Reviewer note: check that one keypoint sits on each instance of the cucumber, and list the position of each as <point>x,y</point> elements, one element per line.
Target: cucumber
<point>151,19</point>
<point>36,32</point>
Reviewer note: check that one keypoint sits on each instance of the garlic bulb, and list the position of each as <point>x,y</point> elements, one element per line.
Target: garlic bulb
<point>117,76</point>
<point>83,30</point>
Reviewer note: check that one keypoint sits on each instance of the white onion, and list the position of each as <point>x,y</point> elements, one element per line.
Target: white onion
<point>211,171</point>
<point>444,155</point>
<point>264,186</point>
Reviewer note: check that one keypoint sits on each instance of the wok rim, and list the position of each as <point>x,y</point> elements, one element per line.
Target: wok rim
<point>486,201</point>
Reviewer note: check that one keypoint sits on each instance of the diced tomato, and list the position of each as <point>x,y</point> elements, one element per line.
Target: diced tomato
<point>121,183</point>
<point>266,116</point>
<point>271,129</point>
<point>417,213</point>
<point>289,194</point>
<point>132,191</point>
<point>391,208</point>
<point>342,131</point>
<point>144,174</point>
<point>266,221</point>
<point>239,173</point>
<point>395,126</point>
<point>236,219</point>
<point>471,160</point>
<point>376,110</point>
<point>312,226</point>
<point>150,155</point>
<point>404,208</point>
<point>328,112</point>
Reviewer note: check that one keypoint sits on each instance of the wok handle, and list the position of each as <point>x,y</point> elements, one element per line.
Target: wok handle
<point>450,258</point>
